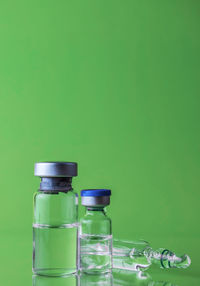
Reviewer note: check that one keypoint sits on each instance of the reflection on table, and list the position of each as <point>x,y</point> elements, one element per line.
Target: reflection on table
<point>117,278</point>
<point>127,278</point>
<point>54,281</point>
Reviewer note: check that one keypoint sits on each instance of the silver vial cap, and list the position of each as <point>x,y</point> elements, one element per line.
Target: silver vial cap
<point>95,201</point>
<point>95,197</point>
<point>55,169</point>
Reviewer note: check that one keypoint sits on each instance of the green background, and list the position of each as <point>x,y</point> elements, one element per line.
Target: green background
<point>113,85</point>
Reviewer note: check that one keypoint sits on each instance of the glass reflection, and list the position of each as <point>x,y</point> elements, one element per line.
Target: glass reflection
<point>54,281</point>
<point>127,278</point>
<point>117,278</point>
<point>95,280</point>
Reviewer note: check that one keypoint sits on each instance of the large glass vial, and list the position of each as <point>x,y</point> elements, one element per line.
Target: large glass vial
<point>95,233</point>
<point>55,220</point>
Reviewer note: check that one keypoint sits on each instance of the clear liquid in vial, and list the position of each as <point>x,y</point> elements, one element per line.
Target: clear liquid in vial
<point>54,250</point>
<point>95,253</point>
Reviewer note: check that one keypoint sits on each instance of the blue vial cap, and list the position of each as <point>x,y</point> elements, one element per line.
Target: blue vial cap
<point>96,193</point>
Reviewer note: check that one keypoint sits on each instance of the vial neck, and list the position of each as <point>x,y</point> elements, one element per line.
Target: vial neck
<point>92,210</point>
<point>56,184</point>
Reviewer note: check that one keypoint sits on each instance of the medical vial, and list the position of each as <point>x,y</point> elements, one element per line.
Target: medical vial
<point>55,224</point>
<point>95,233</point>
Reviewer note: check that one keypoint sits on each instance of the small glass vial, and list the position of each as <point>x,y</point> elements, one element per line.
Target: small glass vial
<point>95,233</point>
<point>55,220</point>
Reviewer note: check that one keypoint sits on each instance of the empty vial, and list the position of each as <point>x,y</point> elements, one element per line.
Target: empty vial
<point>55,220</point>
<point>138,256</point>
<point>95,233</point>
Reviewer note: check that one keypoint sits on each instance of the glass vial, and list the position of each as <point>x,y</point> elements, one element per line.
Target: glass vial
<point>55,220</point>
<point>95,233</point>
<point>138,256</point>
